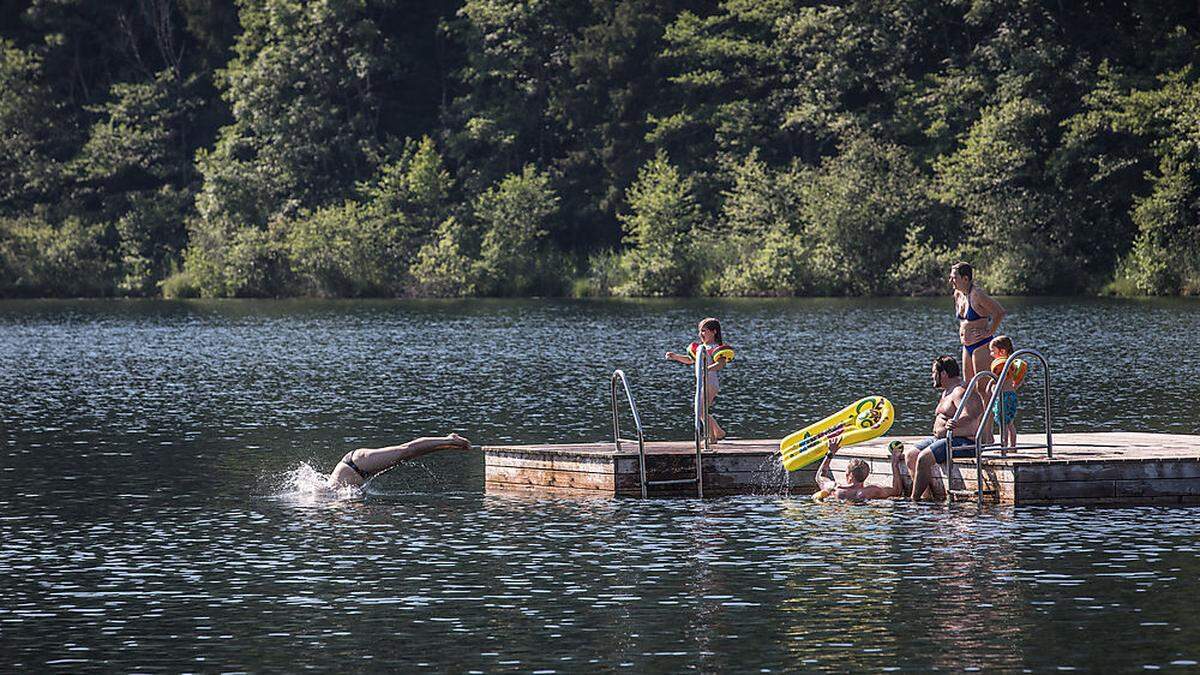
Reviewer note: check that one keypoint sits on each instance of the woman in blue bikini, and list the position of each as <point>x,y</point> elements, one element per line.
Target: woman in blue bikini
<point>978,318</point>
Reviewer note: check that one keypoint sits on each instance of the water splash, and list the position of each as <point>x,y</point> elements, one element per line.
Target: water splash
<point>304,484</point>
<point>770,479</point>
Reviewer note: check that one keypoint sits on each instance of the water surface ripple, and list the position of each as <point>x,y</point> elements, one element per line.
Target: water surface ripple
<point>151,516</point>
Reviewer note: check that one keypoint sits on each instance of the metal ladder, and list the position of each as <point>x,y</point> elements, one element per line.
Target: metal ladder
<point>701,417</point>
<point>979,447</point>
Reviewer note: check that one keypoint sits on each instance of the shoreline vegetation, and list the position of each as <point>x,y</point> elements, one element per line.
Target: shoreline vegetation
<point>374,148</point>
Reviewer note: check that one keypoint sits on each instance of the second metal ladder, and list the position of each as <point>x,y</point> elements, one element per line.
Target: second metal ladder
<point>979,447</point>
<point>700,410</point>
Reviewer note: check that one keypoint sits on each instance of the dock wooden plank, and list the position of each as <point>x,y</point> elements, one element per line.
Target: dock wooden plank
<point>600,465</point>
<point>1108,467</point>
<point>1185,487</point>
<point>1063,491</point>
<point>575,480</point>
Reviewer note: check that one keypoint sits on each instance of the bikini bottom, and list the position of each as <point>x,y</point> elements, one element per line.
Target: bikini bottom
<point>971,348</point>
<point>350,463</point>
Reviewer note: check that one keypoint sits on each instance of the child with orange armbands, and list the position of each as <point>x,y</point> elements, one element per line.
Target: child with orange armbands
<point>719,354</point>
<point>1001,348</point>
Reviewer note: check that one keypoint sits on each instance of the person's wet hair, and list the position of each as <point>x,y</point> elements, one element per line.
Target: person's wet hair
<point>715,326</point>
<point>963,270</point>
<point>947,365</point>
<point>859,469</point>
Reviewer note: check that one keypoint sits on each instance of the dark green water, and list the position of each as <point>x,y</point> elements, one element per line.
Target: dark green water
<point>153,514</point>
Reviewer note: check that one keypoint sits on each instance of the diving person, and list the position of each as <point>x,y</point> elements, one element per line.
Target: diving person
<point>359,466</point>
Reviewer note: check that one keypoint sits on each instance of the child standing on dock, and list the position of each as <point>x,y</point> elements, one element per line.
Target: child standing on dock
<point>1001,348</point>
<point>719,354</point>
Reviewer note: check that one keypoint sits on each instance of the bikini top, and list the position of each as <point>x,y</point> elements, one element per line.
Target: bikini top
<point>972,315</point>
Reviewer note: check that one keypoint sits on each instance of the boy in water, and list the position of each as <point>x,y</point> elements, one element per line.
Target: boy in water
<point>1001,348</point>
<point>856,474</point>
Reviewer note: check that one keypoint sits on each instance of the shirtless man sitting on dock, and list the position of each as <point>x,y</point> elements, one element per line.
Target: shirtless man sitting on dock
<point>359,466</point>
<point>856,474</point>
<point>946,377</point>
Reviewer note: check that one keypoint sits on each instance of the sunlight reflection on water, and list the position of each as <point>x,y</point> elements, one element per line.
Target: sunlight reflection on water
<point>162,500</point>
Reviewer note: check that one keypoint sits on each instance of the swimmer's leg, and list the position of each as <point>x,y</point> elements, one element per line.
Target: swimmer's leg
<point>371,461</point>
<point>374,460</point>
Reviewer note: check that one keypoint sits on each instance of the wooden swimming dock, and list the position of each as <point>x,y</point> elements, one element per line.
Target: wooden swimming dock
<point>1087,468</point>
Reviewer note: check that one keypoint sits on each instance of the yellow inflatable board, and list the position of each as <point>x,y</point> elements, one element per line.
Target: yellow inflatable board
<point>860,421</point>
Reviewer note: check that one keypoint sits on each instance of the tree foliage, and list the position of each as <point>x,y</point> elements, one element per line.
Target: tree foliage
<point>513,215</point>
<point>662,231</point>
<point>509,147</point>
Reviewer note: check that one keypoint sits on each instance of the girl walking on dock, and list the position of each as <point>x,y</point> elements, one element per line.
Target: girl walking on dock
<point>719,354</point>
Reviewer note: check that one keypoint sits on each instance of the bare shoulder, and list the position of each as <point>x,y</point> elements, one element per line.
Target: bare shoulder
<point>877,492</point>
<point>980,294</point>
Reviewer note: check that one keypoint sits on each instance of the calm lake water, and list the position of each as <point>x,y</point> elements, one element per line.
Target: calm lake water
<point>154,511</point>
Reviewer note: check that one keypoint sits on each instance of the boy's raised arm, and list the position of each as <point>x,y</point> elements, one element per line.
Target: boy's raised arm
<point>897,489</point>
<point>825,479</point>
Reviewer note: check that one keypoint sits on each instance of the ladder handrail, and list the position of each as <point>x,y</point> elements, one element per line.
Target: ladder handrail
<point>700,409</point>
<point>992,401</point>
<point>700,401</point>
<point>1046,390</point>
<point>970,391</point>
<point>619,374</point>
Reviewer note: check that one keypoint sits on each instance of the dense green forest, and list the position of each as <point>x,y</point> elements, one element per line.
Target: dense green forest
<point>235,148</point>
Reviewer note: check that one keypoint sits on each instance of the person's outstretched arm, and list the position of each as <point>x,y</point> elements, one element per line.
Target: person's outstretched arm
<point>680,358</point>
